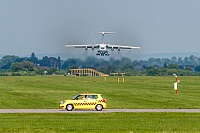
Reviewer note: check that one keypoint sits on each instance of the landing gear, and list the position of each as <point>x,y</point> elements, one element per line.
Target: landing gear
<point>100,53</point>
<point>106,54</point>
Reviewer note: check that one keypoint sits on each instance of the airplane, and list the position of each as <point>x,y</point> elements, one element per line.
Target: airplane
<point>103,48</point>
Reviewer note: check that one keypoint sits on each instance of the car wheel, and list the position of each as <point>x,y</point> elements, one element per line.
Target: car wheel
<point>69,107</point>
<point>99,107</point>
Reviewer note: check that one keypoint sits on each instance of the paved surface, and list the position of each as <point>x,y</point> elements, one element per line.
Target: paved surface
<point>94,111</point>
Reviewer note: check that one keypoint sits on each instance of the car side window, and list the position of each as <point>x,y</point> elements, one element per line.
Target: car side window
<point>93,96</point>
<point>80,97</point>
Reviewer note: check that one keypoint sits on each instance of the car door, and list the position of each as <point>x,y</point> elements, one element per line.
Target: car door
<point>80,102</point>
<point>92,101</point>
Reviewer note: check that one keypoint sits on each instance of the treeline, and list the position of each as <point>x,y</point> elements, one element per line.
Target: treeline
<point>16,66</point>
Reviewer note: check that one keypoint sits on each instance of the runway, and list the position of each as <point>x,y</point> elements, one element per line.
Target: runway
<point>94,111</point>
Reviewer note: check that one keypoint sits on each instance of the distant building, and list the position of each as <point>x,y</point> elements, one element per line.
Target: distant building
<point>41,67</point>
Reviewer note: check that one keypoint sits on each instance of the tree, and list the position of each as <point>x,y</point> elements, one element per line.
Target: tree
<point>26,65</point>
<point>53,62</point>
<point>45,61</point>
<point>15,67</point>
<point>151,61</point>
<point>188,68</point>
<point>124,62</point>
<point>172,66</point>
<point>165,65</point>
<point>7,60</point>
<point>115,63</point>
<point>111,69</point>
<point>33,58</point>
<point>91,61</point>
<point>128,70</point>
<point>51,71</point>
<point>186,61</point>
<point>103,63</point>
<point>70,62</point>
<point>151,71</point>
<point>22,66</point>
<point>180,61</point>
<point>173,60</point>
<point>171,71</point>
<point>166,60</point>
<point>197,69</point>
<point>191,58</point>
<point>59,63</point>
<point>21,59</point>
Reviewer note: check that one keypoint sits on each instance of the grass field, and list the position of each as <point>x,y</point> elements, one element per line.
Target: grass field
<point>101,122</point>
<point>135,92</point>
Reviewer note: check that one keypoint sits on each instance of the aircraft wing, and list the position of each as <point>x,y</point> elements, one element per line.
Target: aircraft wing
<point>111,46</point>
<point>83,46</point>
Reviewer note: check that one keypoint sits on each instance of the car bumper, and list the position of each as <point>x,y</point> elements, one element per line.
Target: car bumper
<point>61,106</point>
<point>104,106</point>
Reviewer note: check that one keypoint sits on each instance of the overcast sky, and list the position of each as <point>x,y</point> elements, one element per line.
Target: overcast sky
<point>45,26</point>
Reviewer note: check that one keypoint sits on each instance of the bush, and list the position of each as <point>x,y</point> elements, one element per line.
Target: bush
<point>3,74</point>
<point>15,74</point>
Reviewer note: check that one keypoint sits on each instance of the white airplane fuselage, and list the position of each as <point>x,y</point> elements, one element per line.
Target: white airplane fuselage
<point>102,50</point>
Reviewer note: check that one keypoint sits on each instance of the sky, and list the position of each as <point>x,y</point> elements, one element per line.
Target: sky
<point>45,26</point>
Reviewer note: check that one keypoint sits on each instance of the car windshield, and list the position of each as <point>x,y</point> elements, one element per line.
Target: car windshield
<point>80,97</point>
<point>75,97</point>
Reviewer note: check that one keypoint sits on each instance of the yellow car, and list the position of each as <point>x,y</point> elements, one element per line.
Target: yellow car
<point>84,101</point>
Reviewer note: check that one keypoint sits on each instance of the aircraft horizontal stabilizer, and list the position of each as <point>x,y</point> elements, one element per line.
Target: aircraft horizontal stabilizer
<point>107,32</point>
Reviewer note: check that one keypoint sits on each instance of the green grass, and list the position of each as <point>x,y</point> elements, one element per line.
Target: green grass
<point>101,122</point>
<point>135,92</point>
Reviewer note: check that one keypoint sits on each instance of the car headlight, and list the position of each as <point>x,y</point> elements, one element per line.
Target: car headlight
<point>62,102</point>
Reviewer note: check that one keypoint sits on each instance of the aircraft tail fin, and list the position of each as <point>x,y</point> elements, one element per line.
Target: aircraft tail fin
<point>103,33</point>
